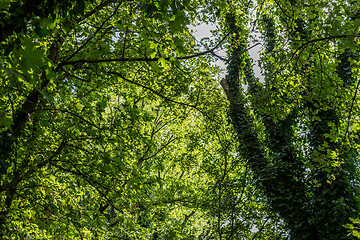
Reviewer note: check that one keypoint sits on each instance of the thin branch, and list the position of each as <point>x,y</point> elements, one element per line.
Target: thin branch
<point>303,46</point>
<point>71,113</point>
<point>164,97</point>
<point>95,184</point>
<point>152,90</point>
<point>95,10</point>
<point>73,76</point>
<point>143,59</point>
<point>20,176</point>
<point>219,57</point>
<point>262,227</point>
<point>181,200</point>
<point>351,107</point>
<point>171,139</point>
<point>241,53</point>
<point>323,39</point>
<point>187,218</point>
<point>92,36</point>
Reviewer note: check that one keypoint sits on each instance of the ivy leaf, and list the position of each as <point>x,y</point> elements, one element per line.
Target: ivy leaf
<point>5,122</point>
<point>41,31</point>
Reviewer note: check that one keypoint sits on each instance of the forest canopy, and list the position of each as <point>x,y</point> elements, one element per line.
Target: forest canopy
<point>116,122</point>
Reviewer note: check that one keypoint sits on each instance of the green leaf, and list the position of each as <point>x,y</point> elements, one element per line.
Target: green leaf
<point>5,122</point>
<point>153,55</point>
<point>41,31</point>
<point>31,56</point>
<point>162,62</point>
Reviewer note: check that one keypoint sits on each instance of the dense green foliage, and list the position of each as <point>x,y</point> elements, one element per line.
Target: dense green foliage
<point>113,124</point>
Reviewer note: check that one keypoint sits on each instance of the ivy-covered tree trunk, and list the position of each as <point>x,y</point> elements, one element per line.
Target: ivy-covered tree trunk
<point>309,211</point>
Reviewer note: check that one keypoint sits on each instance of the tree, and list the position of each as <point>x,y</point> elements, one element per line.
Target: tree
<point>114,126</point>
<point>309,182</point>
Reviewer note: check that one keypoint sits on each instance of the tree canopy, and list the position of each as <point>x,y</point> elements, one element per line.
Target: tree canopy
<point>114,124</point>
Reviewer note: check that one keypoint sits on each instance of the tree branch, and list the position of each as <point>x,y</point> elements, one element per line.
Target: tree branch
<point>142,59</point>
<point>151,90</point>
<point>93,35</point>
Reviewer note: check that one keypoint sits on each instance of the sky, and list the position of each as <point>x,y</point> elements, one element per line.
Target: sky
<point>204,30</point>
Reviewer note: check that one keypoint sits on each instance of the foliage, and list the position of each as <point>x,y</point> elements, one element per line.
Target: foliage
<point>113,124</point>
<point>353,227</point>
<point>315,183</point>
